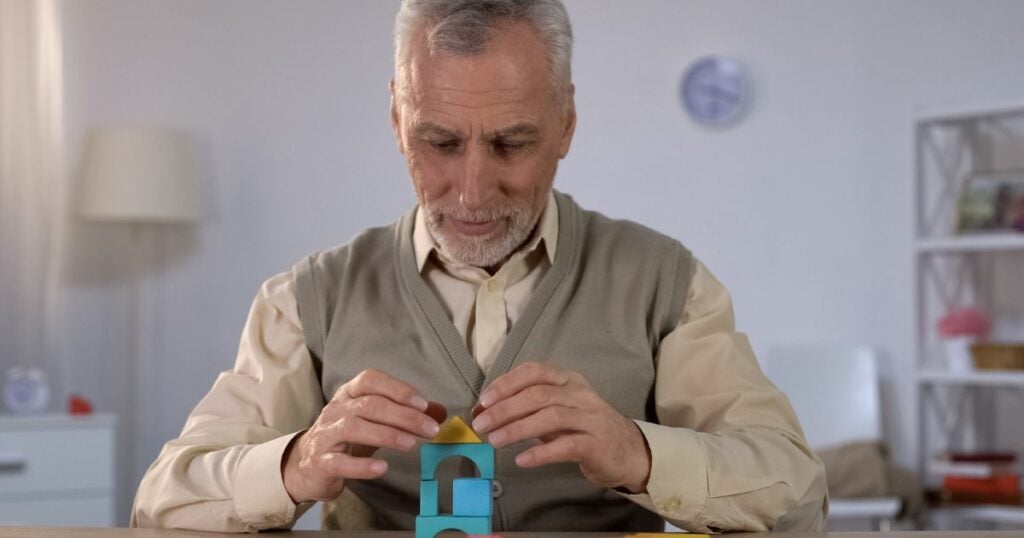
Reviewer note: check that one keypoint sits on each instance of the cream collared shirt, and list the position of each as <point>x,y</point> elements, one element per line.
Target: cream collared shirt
<point>714,462</point>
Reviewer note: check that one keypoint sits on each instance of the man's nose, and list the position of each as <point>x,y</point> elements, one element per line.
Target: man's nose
<point>479,180</point>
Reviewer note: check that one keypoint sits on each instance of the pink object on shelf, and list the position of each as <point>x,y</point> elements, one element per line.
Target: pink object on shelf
<point>964,322</point>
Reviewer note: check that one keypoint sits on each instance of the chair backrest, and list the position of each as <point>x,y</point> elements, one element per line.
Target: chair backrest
<point>833,389</point>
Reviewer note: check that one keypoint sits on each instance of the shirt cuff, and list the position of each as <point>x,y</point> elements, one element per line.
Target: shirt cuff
<point>261,501</point>
<point>677,489</point>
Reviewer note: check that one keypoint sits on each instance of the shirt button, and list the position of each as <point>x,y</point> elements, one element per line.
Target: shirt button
<point>496,489</point>
<point>492,286</point>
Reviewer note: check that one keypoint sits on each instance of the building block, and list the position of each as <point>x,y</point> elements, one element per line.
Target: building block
<point>428,498</point>
<point>471,497</point>
<point>456,431</point>
<point>429,526</point>
<point>481,454</point>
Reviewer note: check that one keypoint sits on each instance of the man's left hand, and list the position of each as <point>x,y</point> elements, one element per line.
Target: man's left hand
<point>573,423</point>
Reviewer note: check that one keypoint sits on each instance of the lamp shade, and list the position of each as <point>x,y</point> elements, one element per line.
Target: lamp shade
<point>140,175</point>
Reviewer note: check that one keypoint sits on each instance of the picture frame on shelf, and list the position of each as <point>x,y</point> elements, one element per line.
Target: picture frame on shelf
<point>992,202</point>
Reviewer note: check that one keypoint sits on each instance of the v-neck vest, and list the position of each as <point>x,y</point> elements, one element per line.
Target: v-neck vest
<point>614,291</point>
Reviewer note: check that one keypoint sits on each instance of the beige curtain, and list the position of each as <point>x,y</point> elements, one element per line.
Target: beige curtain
<point>31,185</point>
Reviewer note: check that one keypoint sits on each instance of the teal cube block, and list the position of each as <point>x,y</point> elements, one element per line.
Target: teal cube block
<point>471,497</point>
<point>481,454</point>
<point>428,498</point>
<point>429,526</point>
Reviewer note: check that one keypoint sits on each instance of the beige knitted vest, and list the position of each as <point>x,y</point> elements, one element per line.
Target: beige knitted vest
<point>614,291</point>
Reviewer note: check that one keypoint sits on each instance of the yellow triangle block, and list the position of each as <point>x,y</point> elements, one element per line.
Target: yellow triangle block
<point>455,431</point>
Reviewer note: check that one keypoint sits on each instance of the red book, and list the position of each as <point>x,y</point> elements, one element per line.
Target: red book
<point>1007,484</point>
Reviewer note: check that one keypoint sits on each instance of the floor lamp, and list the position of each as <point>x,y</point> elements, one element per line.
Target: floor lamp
<point>140,178</point>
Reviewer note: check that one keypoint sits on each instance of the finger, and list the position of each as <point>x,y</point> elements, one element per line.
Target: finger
<point>545,422</point>
<point>384,411</point>
<point>531,373</point>
<point>523,404</point>
<point>376,382</point>
<point>565,449</point>
<point>341,465</point>
<point>359,431</point>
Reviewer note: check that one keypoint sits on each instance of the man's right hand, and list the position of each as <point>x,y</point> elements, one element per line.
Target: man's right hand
<point>373,410</point>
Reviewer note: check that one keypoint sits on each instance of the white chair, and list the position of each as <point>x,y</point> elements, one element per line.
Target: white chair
<point>834,391</point>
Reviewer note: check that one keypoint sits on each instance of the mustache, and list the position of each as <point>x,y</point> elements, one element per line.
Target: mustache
<point>438,212</point>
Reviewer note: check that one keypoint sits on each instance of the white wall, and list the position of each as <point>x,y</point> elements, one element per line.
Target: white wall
<point>803,210</point>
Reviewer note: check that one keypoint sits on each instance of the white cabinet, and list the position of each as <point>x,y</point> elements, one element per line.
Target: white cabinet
<point>57,470</point>
<point>956,406</point>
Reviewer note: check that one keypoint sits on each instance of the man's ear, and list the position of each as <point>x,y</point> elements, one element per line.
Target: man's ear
<point>570,123</point>
<point>396,118</point>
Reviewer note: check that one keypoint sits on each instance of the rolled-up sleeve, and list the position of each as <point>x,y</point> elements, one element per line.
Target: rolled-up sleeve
<point>223,473</point>
<point>727,453</point>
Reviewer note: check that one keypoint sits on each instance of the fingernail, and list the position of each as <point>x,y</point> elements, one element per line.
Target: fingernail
<point>379,466</point>
<point>431,428</point>
<point>481,423</point>
<point>524,459</point>
<point>496,438</point>
<point>406,441</point>
<point>487,398</point>
<point>419,403</point>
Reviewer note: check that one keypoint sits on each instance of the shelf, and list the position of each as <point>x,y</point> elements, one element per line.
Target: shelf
<point>971,113</point>
<point>1001,378</point>
<point>56,421</point>
<point>992,513</point>
<point>973,243</point>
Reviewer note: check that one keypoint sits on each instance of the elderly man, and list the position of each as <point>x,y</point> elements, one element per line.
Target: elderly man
<point>597,356</point>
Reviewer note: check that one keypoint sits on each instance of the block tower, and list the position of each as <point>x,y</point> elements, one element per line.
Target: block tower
<point>471,497</point>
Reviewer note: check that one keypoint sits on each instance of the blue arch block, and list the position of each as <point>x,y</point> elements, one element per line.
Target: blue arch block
<point>471,497</point>
<point>431,454</point>
<point>429,526</point>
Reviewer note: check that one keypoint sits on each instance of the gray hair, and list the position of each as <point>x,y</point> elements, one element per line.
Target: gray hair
<point>463,28</point>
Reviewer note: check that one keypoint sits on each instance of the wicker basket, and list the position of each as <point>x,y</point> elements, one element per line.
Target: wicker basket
<point>998,356</point>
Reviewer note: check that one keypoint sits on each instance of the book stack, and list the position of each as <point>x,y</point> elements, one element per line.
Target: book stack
<point>979,478</point>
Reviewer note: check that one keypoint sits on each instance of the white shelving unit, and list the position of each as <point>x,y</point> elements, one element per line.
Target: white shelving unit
<point>954,408</point>
<point>57,470</point>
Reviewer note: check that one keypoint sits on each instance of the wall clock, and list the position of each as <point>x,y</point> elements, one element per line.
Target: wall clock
<point>716,91</point>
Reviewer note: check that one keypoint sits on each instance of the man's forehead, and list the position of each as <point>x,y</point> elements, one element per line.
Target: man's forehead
<point>472,112</point>
<point>432,95</point>
<point>472,82</point>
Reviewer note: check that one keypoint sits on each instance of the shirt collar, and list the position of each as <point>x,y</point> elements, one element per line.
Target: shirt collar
<point>546,234</point>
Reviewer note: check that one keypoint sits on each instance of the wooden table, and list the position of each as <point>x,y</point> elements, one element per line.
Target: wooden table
<point>72,532</point>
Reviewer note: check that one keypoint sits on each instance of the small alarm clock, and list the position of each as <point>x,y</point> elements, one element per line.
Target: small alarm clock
<point>26,391</point>
<point>716,91</point>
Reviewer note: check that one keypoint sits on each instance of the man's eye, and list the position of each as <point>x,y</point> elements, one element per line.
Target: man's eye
<point>508,148</point>
<point>445,146</point>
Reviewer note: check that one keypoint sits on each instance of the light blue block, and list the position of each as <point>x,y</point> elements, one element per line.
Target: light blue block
<point>471,497</point>
<point>429,526</point>
<point>431,454</point>
<point>428,498</point>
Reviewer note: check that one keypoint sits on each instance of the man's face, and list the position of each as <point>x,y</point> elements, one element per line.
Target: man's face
<point>482,136</point>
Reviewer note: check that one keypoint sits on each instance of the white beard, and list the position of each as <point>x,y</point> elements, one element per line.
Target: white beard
<point>485,250</point>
